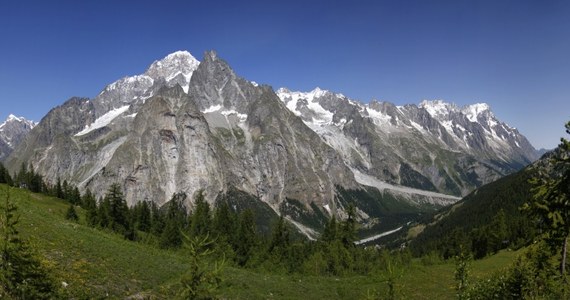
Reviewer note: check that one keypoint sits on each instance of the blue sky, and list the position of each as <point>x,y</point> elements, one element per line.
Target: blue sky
<point>514,55</point>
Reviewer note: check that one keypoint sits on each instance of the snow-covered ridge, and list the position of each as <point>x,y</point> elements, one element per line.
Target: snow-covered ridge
<point>104,120</point>
<point>13,118</point>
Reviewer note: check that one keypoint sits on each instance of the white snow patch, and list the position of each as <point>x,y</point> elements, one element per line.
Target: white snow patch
<point>326,206</point>
<point>438,108</point>
<point>381,185</point>
<point>104,120</point>
<point>242,117</point>
<point>255,84</point>
<point>212,109</point>
<point>378,117</point>
<point>474,110</point>
<point>517,143</point>
<point>375,237</point>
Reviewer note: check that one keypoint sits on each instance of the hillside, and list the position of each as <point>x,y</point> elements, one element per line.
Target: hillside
<point>495,206</point>
<point>97,264</point>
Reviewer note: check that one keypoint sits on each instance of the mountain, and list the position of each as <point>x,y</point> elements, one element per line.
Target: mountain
<point>434,146</point>
<point>190,126</point>
<point>12,132</point>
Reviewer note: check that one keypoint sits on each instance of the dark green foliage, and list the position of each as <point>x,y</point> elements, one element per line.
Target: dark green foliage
<point>391,211</point>
<point>485,221</point>
<point>531,276</point>
<point>348,228</point>
<point>22,275</point>
<point>118,210</point>
<point>59,190</point>
<point>90,205</point>
<point>462,261</point>
<point>203,278</point>
<point>5,175</point>
<point>239,201</point>
<point>280,240</point>
<point>246,237</point>
<point>71,214</point>
<point>200,220</point>
<point>550,203</point>
<point>141,215</point>
<point>175,221</point>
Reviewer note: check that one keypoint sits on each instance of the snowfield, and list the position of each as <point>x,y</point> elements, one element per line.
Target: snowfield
<point>104,120</point>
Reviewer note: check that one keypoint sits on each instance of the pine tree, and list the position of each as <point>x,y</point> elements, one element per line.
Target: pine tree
<point>246,237</point>
<point>551,199</point>
<point>21,274</point>
<point>330,232</point>
<point>225,229</point>
<point>280,238</point>
<point>5,175</point>
<point>174,222</point>
<point>200,220</point>
<point>59,190</point>
<point>348,227</point>
<point>142,216</point>
<point>71,214</point>
<point>90,205</point>
<point>118,210</point>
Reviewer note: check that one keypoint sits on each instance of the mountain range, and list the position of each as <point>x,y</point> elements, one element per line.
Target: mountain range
<point>186,126</point>
<point>12,132</point>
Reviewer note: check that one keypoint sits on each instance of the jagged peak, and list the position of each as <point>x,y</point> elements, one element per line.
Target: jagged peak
<point>179,62</point>
<point>438,108</point>
<point>473,111</point>
<point>13,118</point>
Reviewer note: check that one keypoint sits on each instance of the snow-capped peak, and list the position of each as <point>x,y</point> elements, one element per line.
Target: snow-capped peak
<point>474,110</point>
<point>172,66</point>
<point>438,108</point>
<point>12,118</point>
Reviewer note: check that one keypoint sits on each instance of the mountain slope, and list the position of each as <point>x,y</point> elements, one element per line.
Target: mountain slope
<point>435,146</point>
<point>186,126</point>
<point>12,132</point>
<point>479,213</point>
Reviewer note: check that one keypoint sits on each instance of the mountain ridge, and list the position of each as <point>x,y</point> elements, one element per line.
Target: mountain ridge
<point>187,126</point>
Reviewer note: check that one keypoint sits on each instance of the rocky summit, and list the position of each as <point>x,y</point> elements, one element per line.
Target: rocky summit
<point>189,126</point>
<point>12,132</point>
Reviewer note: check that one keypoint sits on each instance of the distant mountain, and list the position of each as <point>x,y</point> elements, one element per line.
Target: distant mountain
<point>434,146</point>
<point>186,126</point>
<point>12,132</point>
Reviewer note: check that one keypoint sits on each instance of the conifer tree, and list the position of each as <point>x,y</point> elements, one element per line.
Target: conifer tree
<point>71,213</point>
<point>246,237</point>
<point>59,190</point>
<point>280,238</point>
<point>142,216</point>
<point>200,220</point>
<point>5,175</point>
<point>551,199</point>
<point>118,210</point>
<point>348,227</point>
<point>21,274</point>
<point>174,222</point>
<point>90,205</point>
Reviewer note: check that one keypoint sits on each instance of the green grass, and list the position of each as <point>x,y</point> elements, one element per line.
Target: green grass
<point>96,264</point>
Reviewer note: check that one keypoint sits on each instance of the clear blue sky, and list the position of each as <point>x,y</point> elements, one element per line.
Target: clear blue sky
<point>514,55</point>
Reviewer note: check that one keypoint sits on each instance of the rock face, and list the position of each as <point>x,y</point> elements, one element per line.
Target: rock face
<point>186,126</point>
<point>12,132</point>
<point>434,146</point>
<point>170,131</point>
